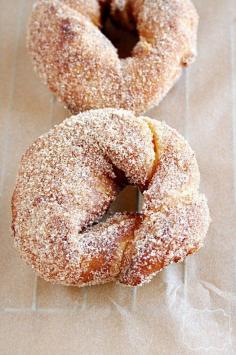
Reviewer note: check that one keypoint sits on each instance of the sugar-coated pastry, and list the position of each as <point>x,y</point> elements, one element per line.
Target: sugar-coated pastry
<point>81,65</point>
<point>69,176</point>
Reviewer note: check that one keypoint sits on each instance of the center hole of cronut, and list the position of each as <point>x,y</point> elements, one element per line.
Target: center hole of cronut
<point>122,34</point>
<point>128,200</point>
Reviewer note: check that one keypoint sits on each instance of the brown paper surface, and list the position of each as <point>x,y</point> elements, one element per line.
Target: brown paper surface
<point>188,308</point>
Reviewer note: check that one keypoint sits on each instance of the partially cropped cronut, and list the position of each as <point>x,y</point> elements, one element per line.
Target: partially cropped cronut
<point>81,65</point>
<point>69,176</point>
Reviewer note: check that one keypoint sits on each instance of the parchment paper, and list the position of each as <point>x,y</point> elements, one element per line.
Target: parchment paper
<point>188,308</point>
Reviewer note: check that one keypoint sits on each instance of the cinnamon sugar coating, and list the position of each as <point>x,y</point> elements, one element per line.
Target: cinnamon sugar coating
<point>82,67</point>
<point>69,176</point>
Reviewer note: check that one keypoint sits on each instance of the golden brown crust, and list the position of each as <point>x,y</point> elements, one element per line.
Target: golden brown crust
<point>68,178</point>
<point>81,66</point>
<point>166,235</point>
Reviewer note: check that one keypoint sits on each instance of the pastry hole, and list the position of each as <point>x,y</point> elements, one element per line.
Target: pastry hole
<point>128,200</point>
<point>122,33</point>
